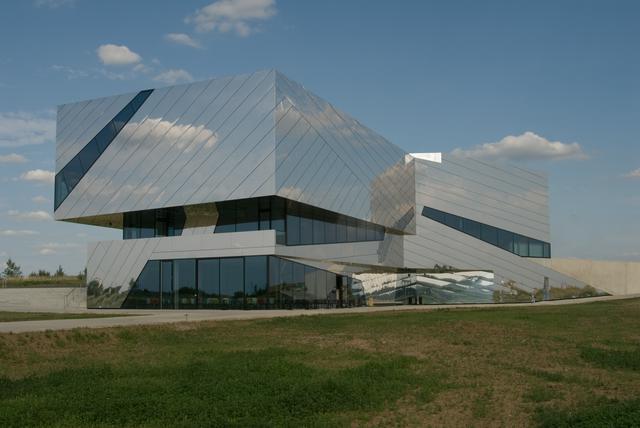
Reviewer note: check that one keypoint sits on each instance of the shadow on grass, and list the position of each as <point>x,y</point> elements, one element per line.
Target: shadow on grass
<point>269,387</point>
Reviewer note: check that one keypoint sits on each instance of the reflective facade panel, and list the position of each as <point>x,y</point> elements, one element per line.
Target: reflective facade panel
<point>252,192</point>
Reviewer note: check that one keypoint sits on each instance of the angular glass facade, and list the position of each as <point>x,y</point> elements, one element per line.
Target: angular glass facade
<point>153,223</point>
<point>251,282</point>
<point>69,176</point>
<point>514,243</point>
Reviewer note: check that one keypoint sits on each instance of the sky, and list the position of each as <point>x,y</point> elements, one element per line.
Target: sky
<point>550,85</point>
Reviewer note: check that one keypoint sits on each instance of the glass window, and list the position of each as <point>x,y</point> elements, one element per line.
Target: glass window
<point>361,231</point>
<point>226,217</point>
<point>232,282</point>
<point>147,224</point>
<point>73,172</point>
<point>255,280</point>
<point>293,225</point>
<point>330,229</point>
<point>306,226</point>
<point>489,234</point>
<point>286,281</point>
<point>278,219</point>
<point>209,283</point>
<point>310,284</point>
<point>88,155</point>
<point>184,282</point>
<point>352,230</point>
<point>521,245</point>
<point>60,189</point>
<point>536,248</point>
<point>546,250</point>
<point>145,293</point>
<point>453,221</point>
<point>104,137</point>
<point>332,293</point>
<point>472,228</point>
<point>299,291</point>
<point>247,215</point>
<point>318,229</point>
<point>273,293</point>
<point>166,285</point>
<point>341,229</point>
<point>505,240</point>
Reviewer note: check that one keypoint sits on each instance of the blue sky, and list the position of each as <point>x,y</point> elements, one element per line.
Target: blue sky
<point>553,85</point>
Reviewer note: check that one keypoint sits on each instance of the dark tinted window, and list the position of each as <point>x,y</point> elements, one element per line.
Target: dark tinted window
<point>209,283</point>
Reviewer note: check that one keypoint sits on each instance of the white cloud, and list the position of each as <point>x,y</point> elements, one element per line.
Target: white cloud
<point>111,54</point>
<point>172,77</point>
<point>70,72</point>
<point>54,4</point>
<point>12,158</point>
<point>528,146</point>
<point>22,129</point>
<point>182,39</point>
<point>39,175</point>
<point>634,174</point>
<point>9,232</point>
<point>232,16</point>
<point>30,215</point>
<point>50,248</point>
<point>40,199</point>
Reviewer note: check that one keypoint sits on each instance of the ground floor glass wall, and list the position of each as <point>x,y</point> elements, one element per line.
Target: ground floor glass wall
<point>251,282</point>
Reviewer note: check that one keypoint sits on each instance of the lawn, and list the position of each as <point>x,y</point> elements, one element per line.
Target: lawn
<point>37,316</point>
<point>574,365</point>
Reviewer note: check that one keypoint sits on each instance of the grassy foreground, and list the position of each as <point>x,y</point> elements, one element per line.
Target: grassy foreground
<point>6,316</point>
<point>575,365</point>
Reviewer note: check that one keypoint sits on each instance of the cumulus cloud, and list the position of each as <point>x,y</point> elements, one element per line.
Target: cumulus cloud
<point>22,129</point>
<point>30,215</point>
<point>50,248</point>
<point>12,158</point>
<point>633,174</point>
<point>174,76</point>
<point>39,175</point>
<point>40,199</point>
<point>182,39</point>
<point>528,146</point>
<point>10,232</point>
<point>236,16</point>
<point>111,54</point>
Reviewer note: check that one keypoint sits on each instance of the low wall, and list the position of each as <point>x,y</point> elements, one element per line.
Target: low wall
<point>43,299</point>
<point>616,278</point>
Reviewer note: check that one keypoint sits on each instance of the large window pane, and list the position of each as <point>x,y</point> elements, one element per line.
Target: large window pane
<point>232,282</point>
<point>184,281</point>
<point>505,240</point>
<point>278,219</point>
<point>145,293</point>
<point>273,293</point>
<point>341,229</point>
<point>489,234</point>
<point>306,226</point>
<point>293,225</point>
<point>247,215</point>
<point>299,291</point>
<point>361,232</point>
<point>209,283</point>
<point>472,228</point>
<point>169,298</point>
<point>330,229</point>
<point>286,280</point>
<point>352,230</point>
<point>255,280</point>
<point>318,229</point>
<point>521,245</point>
<point>226,217</point>
<point>535,248</point>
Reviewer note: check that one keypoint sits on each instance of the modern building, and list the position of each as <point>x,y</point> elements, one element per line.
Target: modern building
<point>252,192</point>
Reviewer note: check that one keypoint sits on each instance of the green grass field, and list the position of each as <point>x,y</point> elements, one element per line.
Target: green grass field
<point>574,365</point>
<point>6,316</point>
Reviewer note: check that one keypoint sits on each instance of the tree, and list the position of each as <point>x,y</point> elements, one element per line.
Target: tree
<point>12,270</point>
<point>59,272</point>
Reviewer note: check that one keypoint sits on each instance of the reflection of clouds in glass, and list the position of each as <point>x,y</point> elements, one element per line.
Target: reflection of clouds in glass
<point>185,137</point>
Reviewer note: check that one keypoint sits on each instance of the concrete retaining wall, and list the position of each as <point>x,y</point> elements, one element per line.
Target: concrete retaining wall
<point>616,278</point>
<point>44,299</point>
